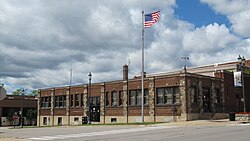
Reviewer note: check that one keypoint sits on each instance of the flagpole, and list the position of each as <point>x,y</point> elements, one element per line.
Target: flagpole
<point>142,70</point>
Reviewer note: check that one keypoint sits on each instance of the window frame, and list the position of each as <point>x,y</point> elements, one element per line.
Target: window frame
<point>168,95</point>
<point>77,100</point>
<point>135,97</point>
<point>120,101</point>
<point>46,102</point>
<point>114,99</point>
<point>107,103</point>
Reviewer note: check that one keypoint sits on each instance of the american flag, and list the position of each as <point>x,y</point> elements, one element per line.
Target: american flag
<point>151,18</point>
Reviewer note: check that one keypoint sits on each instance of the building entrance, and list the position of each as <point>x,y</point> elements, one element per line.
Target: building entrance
<point>206,100</point>
<point>95,109</point>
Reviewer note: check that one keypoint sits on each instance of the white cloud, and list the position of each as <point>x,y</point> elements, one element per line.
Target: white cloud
<point>209,39</point>
<point>238,12</point>
<point>40,39</point>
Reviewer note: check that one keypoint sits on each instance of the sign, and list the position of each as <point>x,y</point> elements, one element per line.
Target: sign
<point>237,79</point>
<point>2,93</point>
<point>15,117</point>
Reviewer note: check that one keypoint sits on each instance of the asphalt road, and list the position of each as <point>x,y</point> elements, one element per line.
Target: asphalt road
<point>162,132</point>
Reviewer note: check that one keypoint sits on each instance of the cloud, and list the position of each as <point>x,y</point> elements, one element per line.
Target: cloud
<point>41,40</point>
<point>209,39</point>
<point>238,12</point>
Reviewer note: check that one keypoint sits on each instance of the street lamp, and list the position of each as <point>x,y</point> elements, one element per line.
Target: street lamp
<point>89,92</point>
<point>241,61</point>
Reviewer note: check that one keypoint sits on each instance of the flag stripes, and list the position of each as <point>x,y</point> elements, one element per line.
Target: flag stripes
<point>151,18</point>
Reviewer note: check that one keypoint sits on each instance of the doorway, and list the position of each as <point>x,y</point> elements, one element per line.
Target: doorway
<point>95,109</point>
<point>206,100</point>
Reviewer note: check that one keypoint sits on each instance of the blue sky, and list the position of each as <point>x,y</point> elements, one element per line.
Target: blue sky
<point>198,13</point>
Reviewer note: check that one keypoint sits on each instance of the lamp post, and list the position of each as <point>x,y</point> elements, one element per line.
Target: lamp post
<point>21,113</point>
<point>89,95</point>
<point>241,61</point>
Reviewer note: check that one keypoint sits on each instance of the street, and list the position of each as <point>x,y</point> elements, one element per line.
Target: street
<point>193,131</point>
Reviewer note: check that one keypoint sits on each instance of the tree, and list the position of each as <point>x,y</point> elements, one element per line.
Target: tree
<point>31,114</point>
<point>19,91</point>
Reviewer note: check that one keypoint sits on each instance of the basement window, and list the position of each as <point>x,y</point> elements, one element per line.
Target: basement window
<point>113,120</point>
<point>76,119</point>
<point>59,122</point>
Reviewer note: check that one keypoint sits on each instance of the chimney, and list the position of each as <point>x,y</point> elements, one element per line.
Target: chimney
<point>125,72</point>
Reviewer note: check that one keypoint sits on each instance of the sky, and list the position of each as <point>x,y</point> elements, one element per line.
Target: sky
<point>40,41</point>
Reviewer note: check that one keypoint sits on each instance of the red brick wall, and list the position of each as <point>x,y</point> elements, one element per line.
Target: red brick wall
<point>77,90</point>
<point>60,111</point>
<point>60,91</point>
<point>45,112</point>
<point>46,92</point>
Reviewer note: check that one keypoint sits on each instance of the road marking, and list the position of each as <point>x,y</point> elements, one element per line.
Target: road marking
<point>111,132</point>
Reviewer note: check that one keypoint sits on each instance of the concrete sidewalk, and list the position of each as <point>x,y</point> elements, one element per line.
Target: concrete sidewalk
<point>222,122</point>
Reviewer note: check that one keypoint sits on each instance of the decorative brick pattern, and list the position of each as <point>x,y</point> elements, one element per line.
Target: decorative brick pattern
<point>85,100</point>
<point>68,101</point>
<point>213,97</point>
<point>151,96</point>
<point>52,105</point>
<point>125,100</point>
<point>200,96</point>
<point>102,100</point>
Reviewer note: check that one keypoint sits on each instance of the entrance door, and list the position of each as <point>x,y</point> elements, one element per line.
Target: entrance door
<point>95,109</point>
<point>95,113</point>
<point>206,100</point>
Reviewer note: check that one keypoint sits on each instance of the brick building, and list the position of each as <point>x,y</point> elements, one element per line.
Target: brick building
<point>11,105</point>
<point>205,92</point>
<point>233,95</point>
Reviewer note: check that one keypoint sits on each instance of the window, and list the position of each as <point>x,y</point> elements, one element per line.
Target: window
<point>193,93</point>
<point>76,119</point>
<point>176,95</point>
<point>71,100</point>
<point>46,102</point>
<point>98,101</point>
<point>145,100</point>
<point>95,101</point>
<point>107,98</point>
<point>113,98</point>
<point>135,97</point>
<point>44,120</point>
<point>160,94</point>
<point>60,101</point>
<point>64,101</point>
<point>120,98</point>
<point>82,100</point>
<point>132,96</point>
<point>59,121</point>
<point>77,100</point>
<point>168,95</point>
<point>113,120</point>
<point>57,101</point>
<point>138,97</point>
